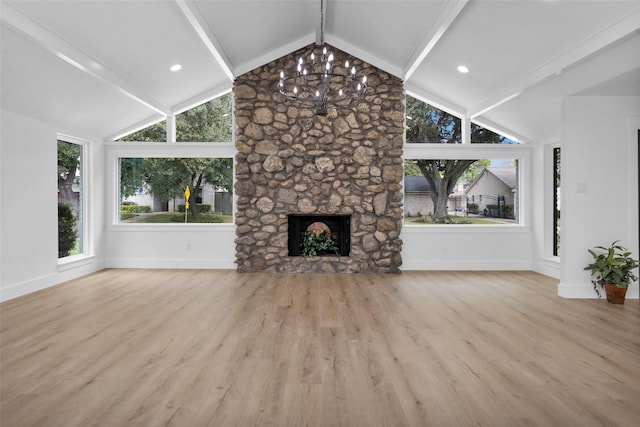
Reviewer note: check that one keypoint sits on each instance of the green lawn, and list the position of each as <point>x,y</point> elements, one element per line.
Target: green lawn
<point>426,220</point>
<point>173,218</point>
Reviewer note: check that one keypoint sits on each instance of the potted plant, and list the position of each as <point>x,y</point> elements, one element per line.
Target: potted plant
<point>611,269</point>
<point>317,240</point>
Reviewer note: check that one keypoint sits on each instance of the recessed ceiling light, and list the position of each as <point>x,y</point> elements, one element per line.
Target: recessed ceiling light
<point>463,69</point>
<point>176,67</point>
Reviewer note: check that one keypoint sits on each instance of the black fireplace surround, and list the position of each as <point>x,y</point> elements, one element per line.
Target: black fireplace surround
<point>340,226</point>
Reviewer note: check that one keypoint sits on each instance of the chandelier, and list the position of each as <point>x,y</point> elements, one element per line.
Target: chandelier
<point>317,81</point>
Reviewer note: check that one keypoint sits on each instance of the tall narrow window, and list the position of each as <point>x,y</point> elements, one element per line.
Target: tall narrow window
<point>556,201</point>
<point>70,199</point>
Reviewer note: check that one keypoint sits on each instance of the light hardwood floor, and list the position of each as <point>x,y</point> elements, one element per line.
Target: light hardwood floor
<point>218,348</point>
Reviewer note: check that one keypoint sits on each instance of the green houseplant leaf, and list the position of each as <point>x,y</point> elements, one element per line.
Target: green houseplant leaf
<point>613,264</point>
<point>315,242</point>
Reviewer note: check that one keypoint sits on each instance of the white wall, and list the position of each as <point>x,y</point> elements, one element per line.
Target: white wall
<point>472,247</point>
<point>466,247</point>
<point>167,246</point>
<point>599,184</point>
<point>29,209</point>
<point>163,245</point>
<point>543,260</point>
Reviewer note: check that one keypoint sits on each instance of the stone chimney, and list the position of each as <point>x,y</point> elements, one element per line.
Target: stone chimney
<point>291,161</point>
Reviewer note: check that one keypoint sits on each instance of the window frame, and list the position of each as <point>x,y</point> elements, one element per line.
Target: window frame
<point>555,245</point>
<point>520,152</point>
<point>85,180</point>
<point>118,150</point>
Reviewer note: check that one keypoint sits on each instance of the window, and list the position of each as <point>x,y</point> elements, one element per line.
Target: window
<point>208,122</point>
<point>71,229</point>
<point>427,124</point>
<point>461,191</point>
<point>449,182</point>
<point>482,135</point>
<point>154,133</point>
<point>153,190</point>
<point>556,201</point>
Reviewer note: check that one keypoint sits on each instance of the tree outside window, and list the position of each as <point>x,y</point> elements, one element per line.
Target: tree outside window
<point>152,190</point>
<point>70,198</point>
<point>427,124</point>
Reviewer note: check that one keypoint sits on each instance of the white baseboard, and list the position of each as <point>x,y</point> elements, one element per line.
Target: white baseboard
<point>585,290</point>
<point>548,268</point>
<point>453,265</point>
<point>64,274</point>
<point>206,263</point>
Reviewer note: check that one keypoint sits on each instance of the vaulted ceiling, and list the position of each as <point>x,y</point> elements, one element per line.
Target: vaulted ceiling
<point>99,69</point>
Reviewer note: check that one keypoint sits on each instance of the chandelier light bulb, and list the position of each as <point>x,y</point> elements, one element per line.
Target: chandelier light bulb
<point>311,82</point>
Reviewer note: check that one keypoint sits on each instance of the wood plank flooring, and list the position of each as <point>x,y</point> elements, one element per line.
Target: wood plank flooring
<point>218,348</point>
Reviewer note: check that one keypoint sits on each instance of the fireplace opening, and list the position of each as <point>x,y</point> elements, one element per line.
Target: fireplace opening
<point>338,226</point>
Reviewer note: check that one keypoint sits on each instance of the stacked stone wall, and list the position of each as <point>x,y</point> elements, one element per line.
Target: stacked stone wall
<point>291,161</point>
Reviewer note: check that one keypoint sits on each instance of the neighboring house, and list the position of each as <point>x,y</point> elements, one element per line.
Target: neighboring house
<point>493,191</point>
<point>417,197</point>
<point>220,201</point>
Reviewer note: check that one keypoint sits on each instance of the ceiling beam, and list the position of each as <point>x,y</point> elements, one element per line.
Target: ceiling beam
<point>320,20</point>
<point>364,55</point>
<point>620,30</point>
<point>443,22</point>
<point>77,58</point>
<point>143,124</point>
<point>502,131</point>
<point>434,100</point>
<point>199,24</point>
<point>201,98</point>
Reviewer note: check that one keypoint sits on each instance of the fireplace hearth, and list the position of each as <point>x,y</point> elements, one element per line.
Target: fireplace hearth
<point>339,227</point>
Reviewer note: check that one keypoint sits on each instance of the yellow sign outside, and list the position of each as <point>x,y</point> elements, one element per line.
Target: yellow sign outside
<point>187,193</point>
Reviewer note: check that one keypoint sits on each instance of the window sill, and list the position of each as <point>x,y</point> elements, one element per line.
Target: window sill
<point>169,228</point>
<point>465,228</point>
<point>75,261</point>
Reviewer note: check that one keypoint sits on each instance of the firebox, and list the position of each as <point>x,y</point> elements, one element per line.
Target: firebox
<point>338,226</point>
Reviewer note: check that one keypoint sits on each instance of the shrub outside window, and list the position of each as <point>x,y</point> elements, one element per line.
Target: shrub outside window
<point>70,199</point>
<point>153,190</point>
<point>461,191</point>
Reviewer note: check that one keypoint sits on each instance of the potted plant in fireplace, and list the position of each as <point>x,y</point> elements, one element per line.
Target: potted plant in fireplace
<point>317,240</point>
<point>611,270</point>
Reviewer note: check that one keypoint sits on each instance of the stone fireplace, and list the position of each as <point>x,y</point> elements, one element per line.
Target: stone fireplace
<point>292,163</point>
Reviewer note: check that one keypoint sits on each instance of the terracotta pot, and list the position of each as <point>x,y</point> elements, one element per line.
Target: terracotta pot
<point>615,294</point>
